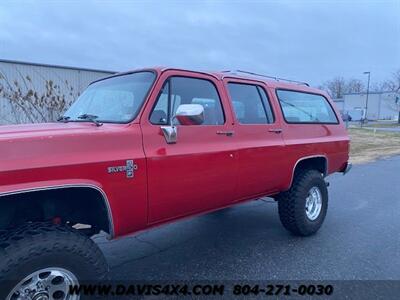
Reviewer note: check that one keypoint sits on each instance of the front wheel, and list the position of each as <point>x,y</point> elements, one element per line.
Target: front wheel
<point>41,261</point>
<point>302,209</point>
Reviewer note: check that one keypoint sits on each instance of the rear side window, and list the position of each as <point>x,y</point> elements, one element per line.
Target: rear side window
<point>185,90</point>
<point>300,107</point>
<point>250,103</point>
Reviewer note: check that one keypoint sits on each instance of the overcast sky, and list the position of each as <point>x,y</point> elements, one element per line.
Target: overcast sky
<point>304,40</point>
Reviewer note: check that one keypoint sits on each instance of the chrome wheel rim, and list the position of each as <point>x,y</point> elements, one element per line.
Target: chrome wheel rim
<point>45,284</point>
<point>313,203</point>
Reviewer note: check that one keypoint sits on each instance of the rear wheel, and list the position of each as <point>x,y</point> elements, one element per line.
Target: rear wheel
<point>41,261</point>
<point>302,209</point>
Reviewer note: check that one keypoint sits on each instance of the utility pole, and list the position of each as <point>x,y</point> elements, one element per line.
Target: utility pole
<point>366,102</point>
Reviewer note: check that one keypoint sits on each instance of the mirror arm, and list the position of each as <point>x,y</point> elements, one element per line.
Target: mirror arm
<point>170,133</point>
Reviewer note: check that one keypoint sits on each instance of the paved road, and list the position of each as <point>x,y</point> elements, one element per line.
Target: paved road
<point>359,240</point>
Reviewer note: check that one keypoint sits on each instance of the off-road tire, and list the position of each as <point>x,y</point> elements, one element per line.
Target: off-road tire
<point>291,204</point>
<point>36,246</point>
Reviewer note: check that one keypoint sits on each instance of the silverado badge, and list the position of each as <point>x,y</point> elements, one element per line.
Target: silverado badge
<point>129,168</point>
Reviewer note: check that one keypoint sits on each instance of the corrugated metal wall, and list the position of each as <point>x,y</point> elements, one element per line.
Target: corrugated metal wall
<point>381,106</point>
<point>70,82</point>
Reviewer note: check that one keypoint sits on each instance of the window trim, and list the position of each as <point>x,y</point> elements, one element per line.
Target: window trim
<point>169,95</point>
<point>156,102</point>
<point>310,93</point>
<point>269,102</point>
<point>257,86</point>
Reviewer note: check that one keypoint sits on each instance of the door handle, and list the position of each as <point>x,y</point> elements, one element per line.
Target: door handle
<point>275,130</point>
<point>227,133</point>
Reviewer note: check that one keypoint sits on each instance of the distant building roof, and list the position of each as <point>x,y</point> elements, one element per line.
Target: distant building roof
<point>54,66</point>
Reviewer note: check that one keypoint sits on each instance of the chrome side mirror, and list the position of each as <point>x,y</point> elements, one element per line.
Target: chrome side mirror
<point>186,114</point>
<point>190,114</point>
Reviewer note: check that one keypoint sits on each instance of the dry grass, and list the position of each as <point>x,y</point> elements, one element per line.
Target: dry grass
<point>368,146</point>
<point>384,125</point>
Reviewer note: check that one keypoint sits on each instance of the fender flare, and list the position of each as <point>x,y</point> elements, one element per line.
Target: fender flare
<point>308,157</point>
<point>92,186</point>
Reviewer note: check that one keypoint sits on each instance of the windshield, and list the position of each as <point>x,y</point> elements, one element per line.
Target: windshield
<point>115,100</point>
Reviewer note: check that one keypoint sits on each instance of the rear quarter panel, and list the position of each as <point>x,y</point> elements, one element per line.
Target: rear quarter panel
<point>307,140</point>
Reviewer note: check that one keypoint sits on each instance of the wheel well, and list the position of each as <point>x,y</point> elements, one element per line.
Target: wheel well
<point>84,208</point>
<point>315,163</point>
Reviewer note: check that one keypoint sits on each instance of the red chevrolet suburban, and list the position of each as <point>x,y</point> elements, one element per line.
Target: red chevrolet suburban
<point>147,147</point>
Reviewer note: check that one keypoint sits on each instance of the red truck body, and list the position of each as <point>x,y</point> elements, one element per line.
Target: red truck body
<point>210,167</point>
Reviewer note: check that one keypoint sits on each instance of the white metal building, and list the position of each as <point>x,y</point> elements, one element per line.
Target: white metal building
<point>381,105</point>
<point>66,81</point>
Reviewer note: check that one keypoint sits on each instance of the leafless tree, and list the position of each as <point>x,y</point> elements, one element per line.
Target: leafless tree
<point>24,104</point>
<point>392,84</point>
<point>335,87</point>
<point>354,86</point>
<point>339,86</point>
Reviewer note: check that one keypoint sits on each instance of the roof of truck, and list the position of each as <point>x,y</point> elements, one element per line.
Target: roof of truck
<point>271,81</point>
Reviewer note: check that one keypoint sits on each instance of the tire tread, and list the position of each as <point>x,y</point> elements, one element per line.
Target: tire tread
<point>19,245</point>
<point>291,210</point>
